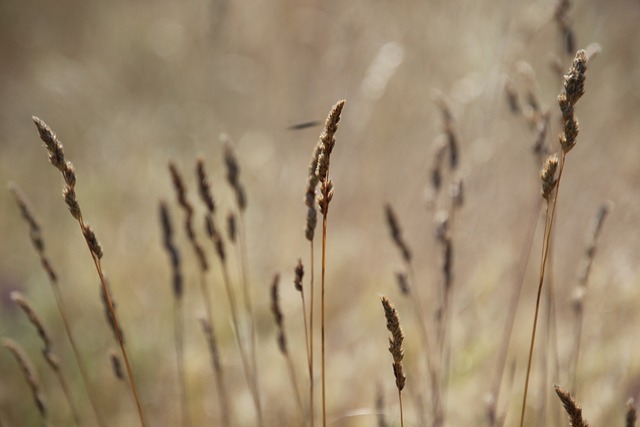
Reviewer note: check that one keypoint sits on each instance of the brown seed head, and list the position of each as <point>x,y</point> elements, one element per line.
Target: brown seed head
<point>312,220</point>
<point>92,241</point>
<point>116,365</point>
<point>573,409</point>
<point>548,175</point>
<point>299,274</point>
<point>396,232</point>
<point>204,188</point>
<point>395,341</point>
<point>69,195</point>
<point>233,173</point>
<point>325,196</point>
<point>34,318</point>
<point>403,282</point>
<point>109,314</point>
<point>29,373</point>
<point>51,142</point>
<point>277,314</point>
<point>172,250</point>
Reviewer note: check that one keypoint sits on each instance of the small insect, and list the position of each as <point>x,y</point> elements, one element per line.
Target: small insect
<point>305,125</point>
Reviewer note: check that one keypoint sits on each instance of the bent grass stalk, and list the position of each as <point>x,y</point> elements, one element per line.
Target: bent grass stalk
<point>37,240</point>
<point>56,157</point>
<point>30,375</point>
<point>47,351</point>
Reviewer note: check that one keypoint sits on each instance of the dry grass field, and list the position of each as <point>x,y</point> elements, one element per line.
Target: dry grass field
<point>130,86</point>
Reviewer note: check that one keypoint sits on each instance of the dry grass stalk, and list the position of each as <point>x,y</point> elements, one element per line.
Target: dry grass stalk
<point>572,90</point>
<point>233,178</point>
<point>209,334</point>
<point>573,409</point>
<point>538,120</point>
<point>404,282</point>
<point>631,416</point>
<point>326,143</point>
<point>395,348</point>
<point>56,157</point>
<point>38,244</point>
<point>178,305</point>
<point>581,287</point>
<point>282,340</point>
<point>30,375</point>
<point>47,351</point>
<point>326,137</point>
<point>216,238</point>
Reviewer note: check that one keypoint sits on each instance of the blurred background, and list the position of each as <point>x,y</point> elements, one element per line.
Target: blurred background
<point>128,86</point>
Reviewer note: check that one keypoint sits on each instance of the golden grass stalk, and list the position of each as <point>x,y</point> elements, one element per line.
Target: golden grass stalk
<point>581,288</point>
<point>56,157</point>
<point>326,144</point>
<point>47,351</point>
<point>30,376</point>
<point>395,348</point>
<point>178,307</point>
<point>214,235</point>
<point>572,90</point>
<point>233,178</point>
<point>282,340</point>
<point>573,409</point>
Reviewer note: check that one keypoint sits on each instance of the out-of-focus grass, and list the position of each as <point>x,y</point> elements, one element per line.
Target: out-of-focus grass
<point>128,86</point>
